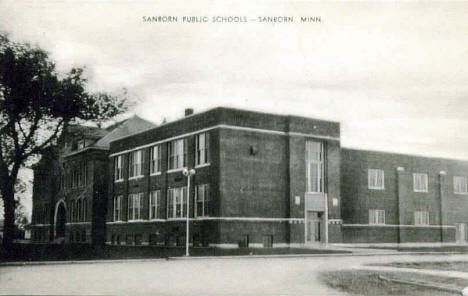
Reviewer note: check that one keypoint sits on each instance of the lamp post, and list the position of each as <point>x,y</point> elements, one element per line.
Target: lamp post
<point>188,173</point>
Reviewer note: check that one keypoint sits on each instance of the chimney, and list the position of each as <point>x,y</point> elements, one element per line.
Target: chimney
<point>188,111</point>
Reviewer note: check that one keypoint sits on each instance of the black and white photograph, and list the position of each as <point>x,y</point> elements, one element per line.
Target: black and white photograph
<point>214,147</point>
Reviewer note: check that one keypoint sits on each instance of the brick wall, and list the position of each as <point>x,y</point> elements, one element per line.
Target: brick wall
<point>398,199</point>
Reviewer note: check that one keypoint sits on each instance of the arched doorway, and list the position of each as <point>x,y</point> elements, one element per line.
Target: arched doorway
<point>60,219</point>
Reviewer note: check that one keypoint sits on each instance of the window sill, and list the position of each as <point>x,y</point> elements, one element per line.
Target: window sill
<point>202,165</point>
<point>421,191</point>
<point>155,174</point>
<point>175,170</point>
<point>119,181</point>
<point>461,193</point>
<point>136,177</point>
<point>375,188</point>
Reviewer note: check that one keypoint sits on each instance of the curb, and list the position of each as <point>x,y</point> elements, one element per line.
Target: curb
<point>312,255</point>
<point>29,263</point>
<point>32,263</point>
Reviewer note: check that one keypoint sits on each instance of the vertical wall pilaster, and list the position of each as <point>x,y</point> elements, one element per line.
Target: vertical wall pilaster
<point>442,218</point>
<point>400,171</point>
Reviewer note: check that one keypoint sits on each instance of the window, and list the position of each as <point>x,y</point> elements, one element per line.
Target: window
<point>72,210</point>
<point>154,203</point>
<point>202,148</point>
<point>134,164</point>
<point>177,154</point>
<point>420,182</point>
<point>118,168</point>
<point>78,210</point>
<point>84,208</point>
<point>176,199</point>
<point>82,174</point>
<point>155,162</point>
<point>376,179</point>
<point>314,166</point>
<point>134,206</point>
<point>117,208</point>
<point>460,185</point>
<point>376,217</point>
<point>421,218</point>
<point>202,197</point>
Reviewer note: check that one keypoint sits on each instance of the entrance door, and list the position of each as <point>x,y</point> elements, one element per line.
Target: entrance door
<point>61,220</point>
<point>313,227</point>
<point>461,232</point>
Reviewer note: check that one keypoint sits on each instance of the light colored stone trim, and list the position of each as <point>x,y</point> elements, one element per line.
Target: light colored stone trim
<point>39,225</point>
<point>243,219</point>
<point>78,223</point>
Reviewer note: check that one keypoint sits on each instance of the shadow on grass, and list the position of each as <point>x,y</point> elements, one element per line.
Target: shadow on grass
<point>362,282</point>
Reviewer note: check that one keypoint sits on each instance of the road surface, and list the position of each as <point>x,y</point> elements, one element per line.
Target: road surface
<point>239,276</point>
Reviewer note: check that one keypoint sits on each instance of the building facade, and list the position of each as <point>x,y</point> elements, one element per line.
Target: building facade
<point>261,180</point>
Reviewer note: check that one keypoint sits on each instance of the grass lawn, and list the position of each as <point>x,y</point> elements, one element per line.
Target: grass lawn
<point>443,265</point>
<point>362,282</point>
<point>44,252</point>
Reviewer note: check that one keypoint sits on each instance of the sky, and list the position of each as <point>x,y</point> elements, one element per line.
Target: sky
<point>394,74</point>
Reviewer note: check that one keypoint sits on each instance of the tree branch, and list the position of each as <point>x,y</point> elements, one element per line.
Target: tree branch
<point>39,148</point>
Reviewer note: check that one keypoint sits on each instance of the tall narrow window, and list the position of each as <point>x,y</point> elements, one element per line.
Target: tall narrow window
<point>314,166</point>
<point>421,218</point>
<point>202,198</point>
<point>376,217</point>
<point>154,202</point>
<point>134,206</point>
<point>117,208</point>
<point>177,154</point>
<point>460,185</point>
<point>155,162</point>
<point>135,164</point>
<point>202,148</point>
<point>118,168</point>
<point>72,211</point>
<point>176,201</point>
<point>78,210</point>
<point>85,209</point>
<point>376,179</point>
<point>420,182</point>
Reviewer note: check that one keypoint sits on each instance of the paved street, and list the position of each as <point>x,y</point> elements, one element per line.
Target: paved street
<point>239,276</point>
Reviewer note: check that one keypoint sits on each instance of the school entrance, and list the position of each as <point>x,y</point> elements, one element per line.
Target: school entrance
<point>314,227</point>
<point>461,233</point>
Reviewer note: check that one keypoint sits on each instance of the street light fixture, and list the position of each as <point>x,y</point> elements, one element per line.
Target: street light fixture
<point>188,173</point>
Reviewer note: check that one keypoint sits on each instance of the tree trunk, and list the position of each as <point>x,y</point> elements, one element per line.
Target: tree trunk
<point>8,195</point>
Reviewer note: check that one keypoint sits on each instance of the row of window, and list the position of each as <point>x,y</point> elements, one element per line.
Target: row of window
<point>176,204</point>
<point>75,177</point>
<point>376,180</point>
<point>78,210</point>
<point>176,157</point>
<point>78,236</point>
<point>377,217</point>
